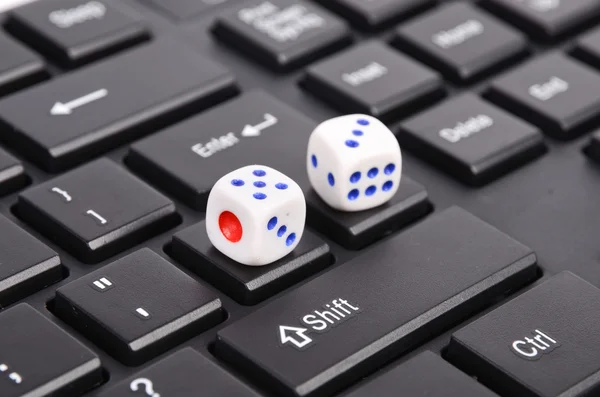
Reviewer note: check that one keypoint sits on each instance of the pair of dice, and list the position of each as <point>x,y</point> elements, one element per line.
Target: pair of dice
<point>255,215</point>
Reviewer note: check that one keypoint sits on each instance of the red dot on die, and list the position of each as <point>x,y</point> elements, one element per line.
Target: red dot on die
<point>230,226</point>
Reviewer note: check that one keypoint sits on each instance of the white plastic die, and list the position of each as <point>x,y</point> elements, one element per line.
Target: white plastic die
<point>354,162</point>
<point>255,215</point>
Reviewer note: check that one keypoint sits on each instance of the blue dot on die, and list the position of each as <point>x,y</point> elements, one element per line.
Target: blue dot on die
<point>259,196</point>
<point>370,190</point>
<point>237,182</point>
<point>354,178</point>
<point>389,169</point>
<point>259,172</point>
<point>363,121</point>
<point>281,231</point>
<point>281,186</point>
<point>387,186</point>
<point>313,159</point>
<point>358,133</point>
<point>260,184</point>
<point>290,239</point>
<point>373,172</point>
<point>272,223</point>
<point>352,143</point>
<point>331,179</point>
<point>353,195</point>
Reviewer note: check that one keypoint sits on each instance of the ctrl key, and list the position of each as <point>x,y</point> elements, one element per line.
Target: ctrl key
<point>545,343</point>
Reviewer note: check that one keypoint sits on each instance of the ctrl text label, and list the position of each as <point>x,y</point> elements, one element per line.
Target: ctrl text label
<point>533,348</point>
<point>318,321</point>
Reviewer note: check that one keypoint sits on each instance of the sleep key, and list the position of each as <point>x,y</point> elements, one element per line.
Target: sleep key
<point>348,322</point>
<point>545,343</point>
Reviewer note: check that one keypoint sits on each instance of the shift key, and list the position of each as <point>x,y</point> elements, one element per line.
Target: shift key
<point>66,120</point>
<point>348,322</point>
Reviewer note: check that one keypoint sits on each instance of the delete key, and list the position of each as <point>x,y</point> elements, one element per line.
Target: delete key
<point>544,343</point>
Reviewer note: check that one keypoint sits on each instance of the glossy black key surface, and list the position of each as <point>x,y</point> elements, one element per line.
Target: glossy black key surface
<point>346,323</point>
<point>37,358</point>
<point>282,34</point>
<point>12,173</point>
<point>185,9</point>
<point>544,343</point>
<point>253,129</point>
<point>375,79</point>
<point>183,374</point>
<point>375,13</point>
<point>558,94</point>
<point>546,18</point>
<point>73,32</point>
<point>461,41</point>
<point>355,230</point>
<point>97,210</point>
<point>248,284</point>
<point>471,139</point>
<point>26,264</point>
<point>70,118</point>
<point>424,375</point>
<point>137,307</point>
<point>19,66</point>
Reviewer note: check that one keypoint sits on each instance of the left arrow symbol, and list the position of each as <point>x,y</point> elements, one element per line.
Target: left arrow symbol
<point>64,109</point>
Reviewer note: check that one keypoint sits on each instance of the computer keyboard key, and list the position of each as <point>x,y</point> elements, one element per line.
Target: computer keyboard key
<point>554,92</point>
<point>37,358</point>
<point>593,147</point>
<point>19,67</point>
<point>84,113</point>
<point>96,210</point>
<point>185,373</point>
<point>26,264</point>
<point>255,128</point>
<point>356,230</point>
<point>442,380</point>
<point>546,18</point>
<point>137,307</point>
<point>461,41</point>
<point>544,343</point>
<point>73,32</point>
<point>12,173</point>
<point>349,321</point>
<point>282,34</point>
<point>375,13</point>
<point>471,139</point>
<point>588,48</point>
<point>374,79</point>
<point>186,9</point>
<point>248,284</point>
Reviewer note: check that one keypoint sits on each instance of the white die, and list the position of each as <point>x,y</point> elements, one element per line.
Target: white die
<point>354,162</point>
<point>255,215</point>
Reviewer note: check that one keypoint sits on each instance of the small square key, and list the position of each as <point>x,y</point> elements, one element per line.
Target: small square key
<point>282,34</point>
<point>74,32</point>
<point>556,93</point>
<point>544,343</point>
<point>37,358</point>
<point>461,41</point>
<point>546,18</point>
<point>183,374</point>
<point>138,307</point>
<point>19,67</point>
<point>248,284</point>
<point>442,380</point>
<point>26,264</point>
<point>375,13</point>
<point>97,210</point>
<point>471,139</point>
<point>374,79</point>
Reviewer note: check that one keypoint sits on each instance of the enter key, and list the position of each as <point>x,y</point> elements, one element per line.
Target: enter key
<point>545,343</point>
<point>348,322</point>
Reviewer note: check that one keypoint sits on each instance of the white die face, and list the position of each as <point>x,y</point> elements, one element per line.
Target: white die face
<point>354,162</point>
<point>255,215</point>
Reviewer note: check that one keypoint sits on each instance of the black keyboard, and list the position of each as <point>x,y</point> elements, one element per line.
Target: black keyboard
<point>479,278</point>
